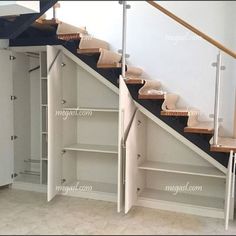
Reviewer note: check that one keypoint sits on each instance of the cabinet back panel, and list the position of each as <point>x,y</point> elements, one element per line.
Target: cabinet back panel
<point>35,110</point>
<point>98,167</point>
<point>22,116</point>
<point>92,93</point>
<point>162,146</point>
<point>99,128</point>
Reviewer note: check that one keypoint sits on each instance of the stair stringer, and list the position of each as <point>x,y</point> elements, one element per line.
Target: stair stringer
<point>182,139</point>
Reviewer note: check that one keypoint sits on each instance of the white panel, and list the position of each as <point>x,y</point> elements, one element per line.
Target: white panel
<point>126,110</point>
<point>54,121</point>
<point>93,93</point>
<point>6,120</point>
<point>35,113</point>
<point>131,166</point>
<point>18,7</point>
<point>22,113</point>
<point>228,191</point>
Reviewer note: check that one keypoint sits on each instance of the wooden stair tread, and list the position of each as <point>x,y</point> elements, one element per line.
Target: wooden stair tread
<point>134,81</point>
<point>88,51</point>
<point>151,96</point>
<point>108,66</point>
<point>224,145</point>
<point>177,112</point>
<point>48,22</point>
<point>201,127</point>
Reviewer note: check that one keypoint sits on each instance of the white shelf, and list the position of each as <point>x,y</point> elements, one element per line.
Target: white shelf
<point>91,109</point>
<point>44,78</point>
<point>183,198</point>
<point>182,169</point>
<point>93,148</point>
<point>44,105</point>
<point>44,159</point>
<point>44,133</point>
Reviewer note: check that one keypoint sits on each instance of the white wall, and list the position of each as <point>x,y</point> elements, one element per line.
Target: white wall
<point>167,51</point>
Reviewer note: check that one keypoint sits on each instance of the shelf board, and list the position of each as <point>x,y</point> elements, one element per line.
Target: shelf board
<point>44,105</point>
<point>182,169</point>
<point>182,198</point>
<point>44,159</point>
<point>93,148</point>
<point>44,133</point>
<point>44,78</point>
<point>91,109</point>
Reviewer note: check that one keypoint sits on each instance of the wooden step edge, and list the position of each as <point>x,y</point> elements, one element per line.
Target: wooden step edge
<point>221,148</point>
<point>88,51</point>
<point>48,22</point>
<point>69,36</point>
<point>134,81</point>
<point>151,96</point>
<point>198,130</point>
<point>175,113</point>
<point>109,66</point>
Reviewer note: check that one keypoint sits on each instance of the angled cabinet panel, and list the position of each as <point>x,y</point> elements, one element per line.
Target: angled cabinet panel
<point>6,120</point>
<point>54,121</point>
<point>126,114</point>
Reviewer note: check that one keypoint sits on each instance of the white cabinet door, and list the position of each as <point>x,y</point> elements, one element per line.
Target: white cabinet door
<point>228,192</point>
<point>54,121</point>
<point>6,120</point>
<point>131,165</point>
<point>126,113</point>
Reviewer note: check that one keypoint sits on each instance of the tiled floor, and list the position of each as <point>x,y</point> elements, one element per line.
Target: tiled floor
<point>24,212</point>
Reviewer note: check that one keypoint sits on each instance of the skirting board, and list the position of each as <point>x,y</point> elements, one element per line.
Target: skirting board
<point>183,208</point>
<point>92,195</point>
<point>30,187</point>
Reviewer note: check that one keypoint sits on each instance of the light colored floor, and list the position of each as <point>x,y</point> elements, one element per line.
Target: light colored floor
<point>24,212</point>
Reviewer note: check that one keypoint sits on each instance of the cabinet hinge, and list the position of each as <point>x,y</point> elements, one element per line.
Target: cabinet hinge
<point>11,58</point>
<point>14,175</point>
<point>13,98</point>
<point>13,137</point>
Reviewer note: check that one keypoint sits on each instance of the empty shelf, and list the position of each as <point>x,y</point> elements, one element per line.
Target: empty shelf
<point>182,169</point>
<point>91,109</point>
<point>183,198</point>
<point>93,148</point>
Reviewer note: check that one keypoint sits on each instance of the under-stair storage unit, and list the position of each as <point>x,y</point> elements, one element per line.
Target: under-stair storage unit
<point>161,172</point>
<point>25,90</point>
<point>83,122</point>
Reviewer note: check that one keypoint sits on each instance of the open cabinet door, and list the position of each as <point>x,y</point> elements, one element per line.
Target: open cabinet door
<point>6,120</point>
<point>54,121</point>
<point>228,191</point>
<point>127,110</point>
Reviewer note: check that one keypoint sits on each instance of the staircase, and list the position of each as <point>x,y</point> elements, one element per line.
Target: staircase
<point>148,93</point>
